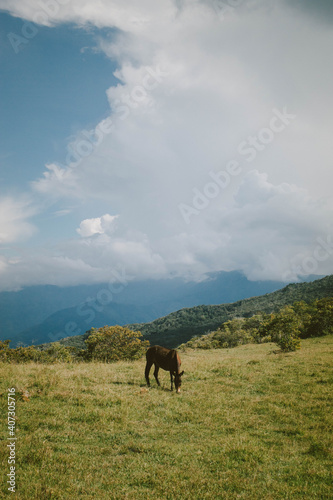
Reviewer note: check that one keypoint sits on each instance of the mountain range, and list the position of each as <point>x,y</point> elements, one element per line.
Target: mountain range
<point>180,326</point>
<point>48,313</point>
<point>43,314</point>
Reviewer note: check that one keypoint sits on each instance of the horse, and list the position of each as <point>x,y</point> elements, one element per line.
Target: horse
<point>167,359</point>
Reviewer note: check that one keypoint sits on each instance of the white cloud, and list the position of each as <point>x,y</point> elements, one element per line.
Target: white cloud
<point>96,259</point>
<point>192,86</point>
<point>216,90</point>
<point>14,225</point>
<point>57,181</point>
<point>99,225</point>
<point>129,17</point>
<point>271,225</point>
<point>268,231</point>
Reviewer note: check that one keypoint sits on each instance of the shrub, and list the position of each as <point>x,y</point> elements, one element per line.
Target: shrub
<point>5,351</point>
<point>230,334</point>
<point>284,329</point>
<point>321,319</point>
<point>52,353</point>
<point>288,341</point>
<point>112,343</point>
<point>233,333</point>
<point>57,352</point>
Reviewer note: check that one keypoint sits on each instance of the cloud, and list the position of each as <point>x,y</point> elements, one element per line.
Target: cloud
<point>322,9</point>
<point>160,135</point>
<point>97,258</point>
<point>14,225</point>
<point>271,226</point>
<point>269,231</point>
<point>266,230</point>
<point>195,82</point>
<point>132,16</point>
<point>99,225</point>
<point>57,181</point>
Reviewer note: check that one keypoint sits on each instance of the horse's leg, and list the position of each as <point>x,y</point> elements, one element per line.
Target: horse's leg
<point>171,381</point>
<point>156,374</point>
<point>147,370</point>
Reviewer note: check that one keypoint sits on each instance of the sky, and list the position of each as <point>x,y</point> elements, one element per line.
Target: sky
<point>165,138</point>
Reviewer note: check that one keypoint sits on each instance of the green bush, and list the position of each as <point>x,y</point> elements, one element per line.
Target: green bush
<point>112,343</point>
<point>5,351</point>
<point>230,334</point>
<point>321,320</point>
<point>52,353</point>
<point>288,341</point>
<point>284,329</point>
<point>57,352</point>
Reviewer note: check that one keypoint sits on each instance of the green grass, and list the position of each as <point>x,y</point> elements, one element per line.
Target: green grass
<point>249,423</point>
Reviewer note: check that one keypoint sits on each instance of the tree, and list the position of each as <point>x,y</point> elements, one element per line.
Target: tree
<point>321,321</point>
<point>112,343</point>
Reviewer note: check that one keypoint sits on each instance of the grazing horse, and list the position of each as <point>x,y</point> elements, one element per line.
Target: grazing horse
<point>169,360</point>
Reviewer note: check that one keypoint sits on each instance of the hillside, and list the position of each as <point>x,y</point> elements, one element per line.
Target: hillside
<point>180,326</point>
<point>25,308</point>
<point>68,321</point>
<point>47,313</point>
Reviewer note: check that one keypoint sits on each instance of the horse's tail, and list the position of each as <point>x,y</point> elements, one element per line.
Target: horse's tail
<point>150,352</point>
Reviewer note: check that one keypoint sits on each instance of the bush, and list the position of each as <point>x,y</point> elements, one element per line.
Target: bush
<point>52,353</point>
<point>230,334</point>
<point>57,352</point>
<point>321,320</point>
<point>5,351</point>
<point>284,329</point>
<point>288,342</point>
<point>112,343</point>
<point>105,344</point>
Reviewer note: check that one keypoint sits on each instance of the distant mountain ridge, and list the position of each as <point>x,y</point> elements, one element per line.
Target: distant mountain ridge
<point>180,326</point>
<point>47,313</point>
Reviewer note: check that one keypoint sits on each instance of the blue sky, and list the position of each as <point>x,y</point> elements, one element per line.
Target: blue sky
<point>165,138</point>
<point>53,87</point>
<point>59,63</point>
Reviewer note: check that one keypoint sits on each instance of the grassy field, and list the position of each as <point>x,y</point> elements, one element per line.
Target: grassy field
<point>250,423</point>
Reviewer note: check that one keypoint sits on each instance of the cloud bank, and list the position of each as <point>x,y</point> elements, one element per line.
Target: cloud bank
<point>201,84</point>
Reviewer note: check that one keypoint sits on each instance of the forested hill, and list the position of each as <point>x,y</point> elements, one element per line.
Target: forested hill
<point>180,326</point>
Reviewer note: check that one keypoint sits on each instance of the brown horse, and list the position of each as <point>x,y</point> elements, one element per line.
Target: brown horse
<point>169,360</point>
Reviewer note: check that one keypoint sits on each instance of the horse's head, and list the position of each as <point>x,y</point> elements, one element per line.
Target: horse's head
<point>178,381</point>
